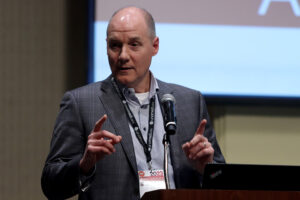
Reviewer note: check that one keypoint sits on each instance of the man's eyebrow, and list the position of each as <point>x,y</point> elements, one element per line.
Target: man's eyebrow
<point>112,39</point>
<point>132,39</point>
<point>135,39</point>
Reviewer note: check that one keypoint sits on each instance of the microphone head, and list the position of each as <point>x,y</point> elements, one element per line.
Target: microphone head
<point>168,105</point>
<point>168,97</point>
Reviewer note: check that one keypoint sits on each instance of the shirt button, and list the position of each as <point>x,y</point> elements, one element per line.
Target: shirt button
<point>144,128</point>
<point>144,106</point>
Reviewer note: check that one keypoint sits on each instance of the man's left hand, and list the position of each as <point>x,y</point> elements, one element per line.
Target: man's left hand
<point>199,150</point>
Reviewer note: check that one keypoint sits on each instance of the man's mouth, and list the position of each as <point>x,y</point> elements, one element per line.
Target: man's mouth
<point>124,68</point>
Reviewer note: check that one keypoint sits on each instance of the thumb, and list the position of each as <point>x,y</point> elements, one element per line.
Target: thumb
<point>201,127</point>
<point>99,123</point>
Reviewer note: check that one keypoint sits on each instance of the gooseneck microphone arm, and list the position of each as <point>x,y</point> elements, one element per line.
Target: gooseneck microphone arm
<point>166,142</point>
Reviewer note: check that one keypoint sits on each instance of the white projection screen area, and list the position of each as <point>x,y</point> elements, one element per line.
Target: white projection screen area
<point>236,48</point>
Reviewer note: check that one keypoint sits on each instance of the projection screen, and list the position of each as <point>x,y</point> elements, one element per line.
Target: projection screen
<point>235,48</point>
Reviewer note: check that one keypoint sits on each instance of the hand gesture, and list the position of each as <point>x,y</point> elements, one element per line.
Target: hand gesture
<point>99,144</point>
<point>199,150</point>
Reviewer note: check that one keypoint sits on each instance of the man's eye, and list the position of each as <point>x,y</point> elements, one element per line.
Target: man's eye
<point>135,44</point>
<point>114,45</point>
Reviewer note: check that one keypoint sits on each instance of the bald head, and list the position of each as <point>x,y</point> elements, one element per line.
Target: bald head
<point>134,13</point>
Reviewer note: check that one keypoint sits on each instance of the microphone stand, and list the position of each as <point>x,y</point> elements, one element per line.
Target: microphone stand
<point>166,142</point>
<point>168,105</point>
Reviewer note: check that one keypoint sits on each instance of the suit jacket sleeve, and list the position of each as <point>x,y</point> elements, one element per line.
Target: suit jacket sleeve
<point>60,177</point>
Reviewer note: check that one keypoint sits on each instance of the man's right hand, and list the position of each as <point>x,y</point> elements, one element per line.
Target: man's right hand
<point>100,143</point>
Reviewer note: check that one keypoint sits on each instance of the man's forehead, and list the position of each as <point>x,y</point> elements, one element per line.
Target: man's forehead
<point>118,26</point>
<point>115,36</point>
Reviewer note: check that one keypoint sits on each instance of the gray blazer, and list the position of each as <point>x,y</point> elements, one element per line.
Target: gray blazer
<point>116,176</point>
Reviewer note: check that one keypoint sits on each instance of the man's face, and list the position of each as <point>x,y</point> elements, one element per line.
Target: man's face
<point>130,49</point>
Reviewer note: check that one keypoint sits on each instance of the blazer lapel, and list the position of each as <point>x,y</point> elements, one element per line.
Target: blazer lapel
<point>117,117</point>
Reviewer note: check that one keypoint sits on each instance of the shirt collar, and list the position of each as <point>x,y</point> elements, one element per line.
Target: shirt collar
<point>129,93</point>
<point>153,86</point>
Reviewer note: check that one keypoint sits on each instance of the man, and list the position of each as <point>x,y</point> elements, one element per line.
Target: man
<point>101,160</point>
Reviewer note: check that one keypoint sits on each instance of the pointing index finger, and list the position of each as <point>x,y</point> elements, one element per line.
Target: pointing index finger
<point>99,123</point>
<point>201,127</point>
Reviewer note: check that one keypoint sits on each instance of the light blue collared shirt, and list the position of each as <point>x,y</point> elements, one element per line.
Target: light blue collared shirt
<point>140,111</point>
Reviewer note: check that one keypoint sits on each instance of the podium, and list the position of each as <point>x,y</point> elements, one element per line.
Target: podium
<point>210,194</point>
<point>239,182</point>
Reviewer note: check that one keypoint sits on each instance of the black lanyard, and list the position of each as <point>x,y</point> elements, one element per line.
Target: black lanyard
<point>147,147</point>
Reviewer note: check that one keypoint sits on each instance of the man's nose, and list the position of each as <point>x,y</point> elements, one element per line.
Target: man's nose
<point>124,54</point>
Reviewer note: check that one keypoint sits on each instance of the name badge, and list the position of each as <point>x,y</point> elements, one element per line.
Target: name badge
<point>151,180</point>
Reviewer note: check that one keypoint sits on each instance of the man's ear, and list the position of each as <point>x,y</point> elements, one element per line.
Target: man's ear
<point>155,45</point>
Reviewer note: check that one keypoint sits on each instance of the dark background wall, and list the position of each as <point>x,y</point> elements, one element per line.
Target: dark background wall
<point>42,54</point>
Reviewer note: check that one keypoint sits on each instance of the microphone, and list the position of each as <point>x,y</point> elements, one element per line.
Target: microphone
<point>168,104</point>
